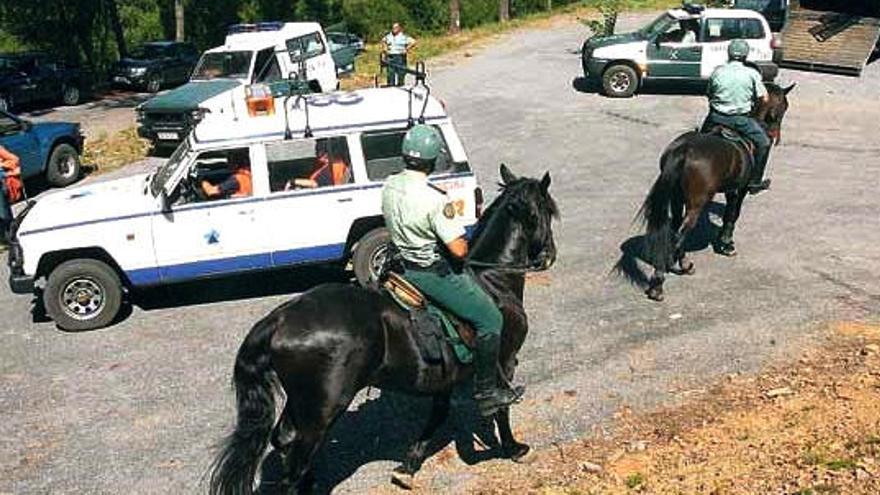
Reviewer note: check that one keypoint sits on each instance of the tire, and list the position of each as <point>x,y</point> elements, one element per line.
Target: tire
<point>620,81</point>
<point>6,103</point>
<point>154,83</point>
<point>64,166</point>
<point>70,95</point>
<point>369,256</point>
<point>83,294</point>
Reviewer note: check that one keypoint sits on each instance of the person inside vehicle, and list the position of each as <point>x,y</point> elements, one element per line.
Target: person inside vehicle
<point>10,190</point>
<point>423,228</point>
<point>733,91</point>
<point>329,170</point>
<point>689,29</point>
<point>238,184</point>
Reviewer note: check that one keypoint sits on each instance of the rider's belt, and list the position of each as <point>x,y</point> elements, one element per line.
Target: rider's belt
<point>440,267</point>
<point>730,114</point>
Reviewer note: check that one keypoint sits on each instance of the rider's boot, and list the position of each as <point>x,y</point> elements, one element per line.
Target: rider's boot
<point>490,397</point>
<point>757,182</point>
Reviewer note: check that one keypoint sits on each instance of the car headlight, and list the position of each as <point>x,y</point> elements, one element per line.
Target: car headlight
<point>138,71</point>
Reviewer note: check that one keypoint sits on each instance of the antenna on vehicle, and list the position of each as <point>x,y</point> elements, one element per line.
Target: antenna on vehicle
<point>421,75</point>
<point>297,85</point>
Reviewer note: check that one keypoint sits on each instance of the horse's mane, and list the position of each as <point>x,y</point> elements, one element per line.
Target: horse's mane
<point>517,192</point>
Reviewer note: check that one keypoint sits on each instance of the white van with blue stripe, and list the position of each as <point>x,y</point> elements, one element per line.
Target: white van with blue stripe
<point>94,243</point>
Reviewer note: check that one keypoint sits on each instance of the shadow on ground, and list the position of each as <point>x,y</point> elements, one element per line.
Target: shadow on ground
<point>101,101</point>
<point>631,251</point>
<point>382,429</point>
<point>590,86</point>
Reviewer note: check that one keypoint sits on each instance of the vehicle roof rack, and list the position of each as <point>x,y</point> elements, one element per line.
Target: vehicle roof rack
<point>421,75</point>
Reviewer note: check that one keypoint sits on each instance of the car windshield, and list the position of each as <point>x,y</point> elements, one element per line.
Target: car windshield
<point>658,26</point>
<point>149,52</point>
<point>170,167</point>
<point>233,65</point>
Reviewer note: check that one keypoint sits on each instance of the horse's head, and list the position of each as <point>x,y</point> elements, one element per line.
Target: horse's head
<point>771,113</point>
<point>517,229</point>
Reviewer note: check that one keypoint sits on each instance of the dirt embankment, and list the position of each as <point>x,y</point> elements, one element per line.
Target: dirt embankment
<point>808,427</point>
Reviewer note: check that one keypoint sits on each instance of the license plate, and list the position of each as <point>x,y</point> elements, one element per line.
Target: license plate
<point>167,136</point>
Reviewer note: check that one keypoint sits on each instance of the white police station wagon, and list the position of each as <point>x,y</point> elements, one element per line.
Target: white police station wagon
<point>682,45</point>
<point>94,243</point>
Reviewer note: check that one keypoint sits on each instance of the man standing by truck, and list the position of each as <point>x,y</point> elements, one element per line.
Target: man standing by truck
<point>396,45</point>
<point>10,190</point>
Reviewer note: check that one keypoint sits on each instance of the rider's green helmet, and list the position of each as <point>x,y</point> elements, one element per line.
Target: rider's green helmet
<point>738,50</point>
<point>422,143</point>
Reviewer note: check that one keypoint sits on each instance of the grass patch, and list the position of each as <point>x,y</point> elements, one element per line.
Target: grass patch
<point>635,480</point>
<point>841,464</point>
<point>110,152</point>
<point>431,46</point>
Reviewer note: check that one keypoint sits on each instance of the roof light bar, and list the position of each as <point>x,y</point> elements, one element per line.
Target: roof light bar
<point>255,28</point>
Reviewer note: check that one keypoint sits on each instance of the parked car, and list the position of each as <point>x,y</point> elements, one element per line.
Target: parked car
<point>93,242</point>
<point>155,65</point>
<point>252,53</point>
<point>27,78</point>
<point>775,11</point>
<point>622,63</point>
<point>51,149</point>
<point>345,47</point>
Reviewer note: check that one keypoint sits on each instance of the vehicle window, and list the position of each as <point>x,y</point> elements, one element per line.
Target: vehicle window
<point>147,52</point>
<point>751,29</point>
<point>659,25</point>
<point>219,174</point>
<point>308,164</point>
<point>721,30</point>
<point>266,68</point>
<point>235,65</point>
<point>383,158</point>
<point>305,47</point>
<point>168,170</point>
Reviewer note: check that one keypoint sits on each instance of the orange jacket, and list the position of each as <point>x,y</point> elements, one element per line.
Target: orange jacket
<point>335,173</point>
<point>242,175</point>
<point>11,174</point>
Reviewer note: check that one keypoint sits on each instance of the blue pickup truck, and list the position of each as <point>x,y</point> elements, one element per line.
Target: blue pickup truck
<point>52,148</point>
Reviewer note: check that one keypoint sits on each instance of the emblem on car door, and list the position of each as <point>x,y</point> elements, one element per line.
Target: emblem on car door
<point>212,237</point>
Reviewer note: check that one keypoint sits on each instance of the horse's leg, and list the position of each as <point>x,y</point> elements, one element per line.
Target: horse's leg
<point>403,474</point>
<point>510,447</point>
<point>724,245</point>
<point>685,267</point>
<point>691,216</point>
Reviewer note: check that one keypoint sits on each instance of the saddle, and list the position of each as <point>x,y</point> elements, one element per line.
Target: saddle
<point>737,139</point>
<point>433,326</point>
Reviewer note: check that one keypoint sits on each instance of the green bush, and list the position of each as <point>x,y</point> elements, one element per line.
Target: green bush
<point>373,18</point>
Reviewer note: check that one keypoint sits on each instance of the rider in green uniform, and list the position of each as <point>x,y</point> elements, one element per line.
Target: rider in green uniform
<point>733,90</point>
<point>422,224</point>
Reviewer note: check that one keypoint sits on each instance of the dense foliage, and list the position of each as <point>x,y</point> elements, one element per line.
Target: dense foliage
<point>95,32</point>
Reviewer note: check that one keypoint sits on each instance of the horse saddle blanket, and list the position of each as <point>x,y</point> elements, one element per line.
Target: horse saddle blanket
<point>738,139</point>
<point>434,329</point>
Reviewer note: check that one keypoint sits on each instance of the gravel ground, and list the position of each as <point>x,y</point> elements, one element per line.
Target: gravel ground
<point>136,408</point>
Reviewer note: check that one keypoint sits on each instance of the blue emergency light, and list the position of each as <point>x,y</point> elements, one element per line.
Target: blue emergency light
<point>255,28</point>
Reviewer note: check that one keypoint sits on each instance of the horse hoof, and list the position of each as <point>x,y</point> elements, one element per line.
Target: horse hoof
<point>519,453</point>
<point>688,269</point>
<point>726,250</point>
<point>655,294</point>
<point>402,479</point>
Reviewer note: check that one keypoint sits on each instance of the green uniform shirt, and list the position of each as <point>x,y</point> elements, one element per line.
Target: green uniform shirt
<point>734,87</point>
<point>417,215</point>
<point>397,44</point>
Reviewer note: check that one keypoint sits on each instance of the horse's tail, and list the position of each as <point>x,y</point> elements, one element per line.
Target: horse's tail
<point>655,209</point>
<point>236,465</point>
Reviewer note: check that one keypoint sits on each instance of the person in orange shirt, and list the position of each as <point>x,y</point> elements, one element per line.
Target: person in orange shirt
<point>238,184</point>
<point>10,189</point>
<point>327,172</point>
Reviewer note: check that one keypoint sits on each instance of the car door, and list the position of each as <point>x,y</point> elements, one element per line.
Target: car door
<point>671,58</point>
<point>15,136</point>
<point>313,52</point>
<point>199,237</point>
<point>309,222</point>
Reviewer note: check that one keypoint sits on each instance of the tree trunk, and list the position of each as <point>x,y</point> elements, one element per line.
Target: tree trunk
<point>549,5</point>
<point>178,18</point>
<point>113,13</point>
<point>504,10</point>
<point>454,16</point>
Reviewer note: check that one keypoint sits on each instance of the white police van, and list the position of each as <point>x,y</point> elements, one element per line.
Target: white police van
<point>94,243</point>
<point>681,45</point>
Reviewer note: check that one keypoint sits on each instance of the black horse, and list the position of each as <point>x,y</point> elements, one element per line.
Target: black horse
<point>325,345</point>
<point>693,168</point>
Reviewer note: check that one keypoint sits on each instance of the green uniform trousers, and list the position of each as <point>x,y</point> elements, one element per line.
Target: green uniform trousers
<point>396,74</point>
<point>460,294</point>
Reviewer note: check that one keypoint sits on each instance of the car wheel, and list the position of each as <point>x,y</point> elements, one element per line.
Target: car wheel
<point>64,166</point>
<point>6,103</point>
<point>154,83</point>
<point>83,294</point>
<point>369,256</point>
<point>70,95</point>
<point>620,81</point>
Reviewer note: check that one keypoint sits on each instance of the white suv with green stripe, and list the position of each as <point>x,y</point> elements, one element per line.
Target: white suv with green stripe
<point>684,45</point>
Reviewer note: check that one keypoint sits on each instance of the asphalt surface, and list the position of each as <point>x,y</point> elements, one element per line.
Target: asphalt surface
<point>136,408</point>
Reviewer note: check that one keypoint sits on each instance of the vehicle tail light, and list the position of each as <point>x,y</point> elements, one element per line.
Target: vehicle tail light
<point>478,196</point>
<point>776,41</point>
<point>259,99</point>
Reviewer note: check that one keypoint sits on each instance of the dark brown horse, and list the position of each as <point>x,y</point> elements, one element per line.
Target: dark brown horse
<point>693,168</point>
<point>328,343</point>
